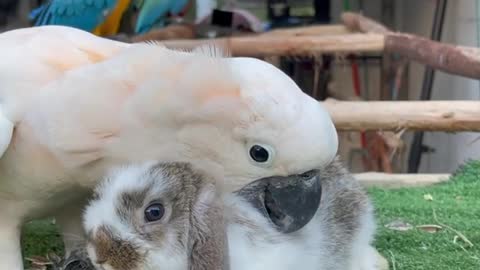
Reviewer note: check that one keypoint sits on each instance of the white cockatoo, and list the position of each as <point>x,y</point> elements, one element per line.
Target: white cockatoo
<point>74,104</point>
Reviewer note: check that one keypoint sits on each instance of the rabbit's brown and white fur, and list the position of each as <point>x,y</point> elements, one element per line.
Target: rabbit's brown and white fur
<point>119,237</point>
<point>337,238</point>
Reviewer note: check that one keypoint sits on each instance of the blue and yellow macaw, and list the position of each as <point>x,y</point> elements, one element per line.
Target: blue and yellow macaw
<point>154,12</point>
<point>103,17</point>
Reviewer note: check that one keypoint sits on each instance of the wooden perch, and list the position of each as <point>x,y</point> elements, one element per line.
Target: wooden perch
<point>390,138</point>
<point>356,22</point>
<point>176,31</point>
<point>450,116</point>
<point>458,60</point>
<point>387,180</point>
<point>314,30</point>
<point>261,46</point>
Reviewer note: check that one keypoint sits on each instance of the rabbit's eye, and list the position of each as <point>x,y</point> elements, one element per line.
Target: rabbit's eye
<point>154,212</point>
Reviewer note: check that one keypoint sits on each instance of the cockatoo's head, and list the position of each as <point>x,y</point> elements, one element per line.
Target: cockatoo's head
<point>283,130</point>
<point>242,114</point>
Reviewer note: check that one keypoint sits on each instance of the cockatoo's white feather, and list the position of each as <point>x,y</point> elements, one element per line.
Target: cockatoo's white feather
<point>32,57</point>
<point>6,132</point>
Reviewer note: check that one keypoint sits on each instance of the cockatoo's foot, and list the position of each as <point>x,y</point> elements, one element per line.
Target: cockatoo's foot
<point>10,250</point>
<point>69,219</point>
<point>6,132</point>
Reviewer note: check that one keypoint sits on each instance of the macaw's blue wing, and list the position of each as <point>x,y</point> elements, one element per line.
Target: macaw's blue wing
<point>178,6</point>
<point>82,14</point>
<point>154,12</point>
<point>151,12</point>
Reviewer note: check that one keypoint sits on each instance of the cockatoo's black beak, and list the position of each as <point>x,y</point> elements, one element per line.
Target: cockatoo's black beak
<point>289,202</point>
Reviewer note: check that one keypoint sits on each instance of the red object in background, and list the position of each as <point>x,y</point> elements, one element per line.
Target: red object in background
<point>357,90</point>
<point>356,78</point>
<point>377,151</point>
<point>358,93</point>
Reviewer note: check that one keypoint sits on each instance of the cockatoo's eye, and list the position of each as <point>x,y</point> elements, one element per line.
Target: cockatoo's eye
<point>154,212</point>
<point>260,153</point>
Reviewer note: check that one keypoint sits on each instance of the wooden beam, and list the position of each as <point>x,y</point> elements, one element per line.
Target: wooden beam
<point>186,31</point>
<point>450,116</point>
<point>457,60</point>
<point>313,30</point>
<point>356,22</point>
<point>387,180</point>
<point>175,31</point>
<point>261,46</point>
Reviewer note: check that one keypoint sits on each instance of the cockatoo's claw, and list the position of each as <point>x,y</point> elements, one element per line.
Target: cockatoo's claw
<point>6,133</point>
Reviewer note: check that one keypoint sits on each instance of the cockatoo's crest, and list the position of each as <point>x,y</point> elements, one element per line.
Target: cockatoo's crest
<point>153,43</point>
<point>214,50</point>
<point>210,49</point>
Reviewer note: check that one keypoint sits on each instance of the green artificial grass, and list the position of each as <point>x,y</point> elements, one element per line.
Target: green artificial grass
<point>456,204</point>
<point>41,238</point>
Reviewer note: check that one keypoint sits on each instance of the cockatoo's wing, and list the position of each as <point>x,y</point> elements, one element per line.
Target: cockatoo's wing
<point>81,14</point>
<point>34,57</point>
<point>6,133</point>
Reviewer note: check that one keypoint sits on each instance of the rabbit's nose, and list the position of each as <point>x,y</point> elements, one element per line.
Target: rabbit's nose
<point>111,251</point>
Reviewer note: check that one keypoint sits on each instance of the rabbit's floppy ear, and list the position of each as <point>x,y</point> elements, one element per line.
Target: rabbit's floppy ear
<point>207,237</point>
